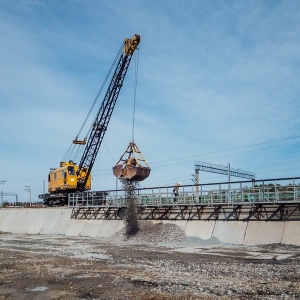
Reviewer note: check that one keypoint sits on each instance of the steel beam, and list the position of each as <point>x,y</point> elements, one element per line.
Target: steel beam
<point>259,212</point>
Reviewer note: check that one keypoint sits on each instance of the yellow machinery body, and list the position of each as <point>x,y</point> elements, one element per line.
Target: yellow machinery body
<point>65,178</point>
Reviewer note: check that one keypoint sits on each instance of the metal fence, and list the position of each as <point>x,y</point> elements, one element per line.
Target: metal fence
<point>282,190</point>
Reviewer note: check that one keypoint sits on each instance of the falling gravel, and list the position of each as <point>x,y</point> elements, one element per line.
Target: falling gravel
<point>131,216</point>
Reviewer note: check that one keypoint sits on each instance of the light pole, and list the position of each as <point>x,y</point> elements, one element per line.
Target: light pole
<point>2,182</point>
<point>28,189</point>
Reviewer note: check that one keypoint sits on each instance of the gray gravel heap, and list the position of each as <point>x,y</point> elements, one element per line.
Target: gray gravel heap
<point>152,233</point>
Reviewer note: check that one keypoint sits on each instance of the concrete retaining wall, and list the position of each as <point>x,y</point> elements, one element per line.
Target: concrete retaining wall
<point>63,222</point>
<point>91,228</point>
<point>264,232</point>
<point>57,221</point>
<point>200,229</point>
<point>291,233</point>
<point>230,232</point>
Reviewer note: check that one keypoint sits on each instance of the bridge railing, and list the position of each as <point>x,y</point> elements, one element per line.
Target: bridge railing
<point>281,190</point>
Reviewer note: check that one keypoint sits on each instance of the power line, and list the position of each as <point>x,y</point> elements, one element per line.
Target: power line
<point>230,149</point>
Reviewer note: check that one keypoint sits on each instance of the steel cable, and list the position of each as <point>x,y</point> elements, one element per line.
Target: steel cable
<point>71,149</point>
<point>135,88</point>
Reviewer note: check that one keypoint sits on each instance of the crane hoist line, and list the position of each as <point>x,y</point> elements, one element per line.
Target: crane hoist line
<point>71,177</point>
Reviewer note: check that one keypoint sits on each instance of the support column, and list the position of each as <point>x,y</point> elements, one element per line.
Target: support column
<point>197,185</point>
<point>229,185</point>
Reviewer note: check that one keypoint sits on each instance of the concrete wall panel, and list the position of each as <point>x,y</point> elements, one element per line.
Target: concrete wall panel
<point>291,233</point>
<point>110,227</point>
<point>3,214</point>
<point>39,220</point>
<point>51,221</point>
<point>18,223</point>
<point>230,232</point>
<point>30,216</point>
<point>260,232</point>
<point>63,222</point>
<point>200,229</point>
<point>75,227</point>
<point>10,217</point>
<point>91,228</point>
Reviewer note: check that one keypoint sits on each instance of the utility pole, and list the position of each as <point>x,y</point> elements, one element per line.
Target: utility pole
<point>195,179</point>
<point>197,184</point>
<point>2,182</point>
<point>229,185</point>
<point>28,189</point>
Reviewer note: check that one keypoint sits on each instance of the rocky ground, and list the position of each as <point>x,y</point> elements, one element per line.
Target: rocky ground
<point>160,262</point>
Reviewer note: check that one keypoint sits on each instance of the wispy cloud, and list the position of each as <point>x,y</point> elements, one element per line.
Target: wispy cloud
<point>213,77</point>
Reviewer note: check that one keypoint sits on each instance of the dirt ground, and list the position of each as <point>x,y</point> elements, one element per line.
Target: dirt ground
<point>45,267</point>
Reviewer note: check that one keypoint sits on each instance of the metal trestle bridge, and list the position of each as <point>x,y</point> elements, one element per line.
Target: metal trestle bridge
<point>266,200</point>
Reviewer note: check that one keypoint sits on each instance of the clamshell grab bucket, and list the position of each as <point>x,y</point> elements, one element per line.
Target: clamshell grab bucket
<point>131,168</point>
<point>117,170</point>
<point>131,172</point>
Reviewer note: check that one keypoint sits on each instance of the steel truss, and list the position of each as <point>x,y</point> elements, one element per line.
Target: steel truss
<point>265,200</point>
<point>221,169</point>
<point>100,213</point>
<point>257,212</point>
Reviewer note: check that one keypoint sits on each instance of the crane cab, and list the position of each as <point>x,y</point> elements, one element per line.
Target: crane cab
<point>65,179</point>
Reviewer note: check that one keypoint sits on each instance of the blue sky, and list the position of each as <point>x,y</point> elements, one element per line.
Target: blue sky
<point>218,82</point>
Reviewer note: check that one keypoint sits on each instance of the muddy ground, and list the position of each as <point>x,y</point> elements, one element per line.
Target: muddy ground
<point>45,267</point>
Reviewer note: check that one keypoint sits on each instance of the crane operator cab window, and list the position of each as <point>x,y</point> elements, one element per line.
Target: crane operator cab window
<point>71,170</point>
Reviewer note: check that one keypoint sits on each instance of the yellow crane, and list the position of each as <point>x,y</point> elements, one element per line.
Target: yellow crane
<point>70,176</point>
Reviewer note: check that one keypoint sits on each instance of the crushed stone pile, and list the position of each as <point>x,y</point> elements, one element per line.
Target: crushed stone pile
<point>152,233</point>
